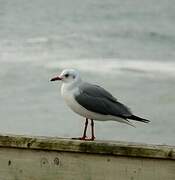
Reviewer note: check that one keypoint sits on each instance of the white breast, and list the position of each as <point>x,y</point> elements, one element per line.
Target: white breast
<point>68,96</point>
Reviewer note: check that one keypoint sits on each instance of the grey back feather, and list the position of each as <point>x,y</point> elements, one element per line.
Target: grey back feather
<point>95,98</point>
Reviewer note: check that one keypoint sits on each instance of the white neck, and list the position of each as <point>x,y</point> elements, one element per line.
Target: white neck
<point>69,86</point>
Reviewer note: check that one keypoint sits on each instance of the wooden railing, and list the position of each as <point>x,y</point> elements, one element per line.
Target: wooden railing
<point>48,158</point>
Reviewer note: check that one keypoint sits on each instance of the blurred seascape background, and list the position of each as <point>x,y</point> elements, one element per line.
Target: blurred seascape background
<point>128,47</point>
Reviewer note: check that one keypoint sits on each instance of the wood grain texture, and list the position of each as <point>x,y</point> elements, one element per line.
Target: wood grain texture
<point>114,148</point>
<point>28,164</point>
<point>43,158</point>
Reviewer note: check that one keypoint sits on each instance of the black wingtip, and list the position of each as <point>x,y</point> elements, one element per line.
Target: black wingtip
<point>136,118</point>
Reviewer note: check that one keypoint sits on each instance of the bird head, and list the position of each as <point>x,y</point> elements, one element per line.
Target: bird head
<point>67,76</point>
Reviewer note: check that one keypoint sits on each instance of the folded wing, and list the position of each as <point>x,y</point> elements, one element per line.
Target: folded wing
<point>96,99</point>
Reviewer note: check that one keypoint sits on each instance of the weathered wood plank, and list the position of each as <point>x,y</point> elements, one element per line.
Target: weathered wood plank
<point>43,158</point>
<point>95,147</point>
<point>28,164</point>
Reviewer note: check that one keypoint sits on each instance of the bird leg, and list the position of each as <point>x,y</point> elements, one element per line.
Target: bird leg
<point>92,130</point>
<point>85,129</point>
<point>84,133</point>
<point>84,137</point>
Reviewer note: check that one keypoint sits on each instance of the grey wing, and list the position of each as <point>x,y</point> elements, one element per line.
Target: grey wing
<point>96,99</point>
<point>96,91</point>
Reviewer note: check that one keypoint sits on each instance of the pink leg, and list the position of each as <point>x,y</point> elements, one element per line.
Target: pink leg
<point>92,130</point>
<point>84,133</point>
<point>85,129</point>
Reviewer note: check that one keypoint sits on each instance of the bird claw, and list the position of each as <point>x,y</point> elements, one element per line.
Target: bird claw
<point>84,138</point>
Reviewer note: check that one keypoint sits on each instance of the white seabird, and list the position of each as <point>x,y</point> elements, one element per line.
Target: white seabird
<point>92,101</point>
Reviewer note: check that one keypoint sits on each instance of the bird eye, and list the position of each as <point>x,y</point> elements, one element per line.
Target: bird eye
<point>66,75</point>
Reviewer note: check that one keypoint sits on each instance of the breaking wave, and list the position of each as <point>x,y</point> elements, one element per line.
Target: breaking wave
<point>117,65</point>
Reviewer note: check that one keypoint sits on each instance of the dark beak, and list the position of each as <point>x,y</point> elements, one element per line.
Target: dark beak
<point>57,78</point>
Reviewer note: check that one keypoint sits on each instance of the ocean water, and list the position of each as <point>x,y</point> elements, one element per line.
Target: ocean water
<point>128,47</point>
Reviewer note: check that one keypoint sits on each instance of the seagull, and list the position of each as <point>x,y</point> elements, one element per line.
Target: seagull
<point>92,102</point>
